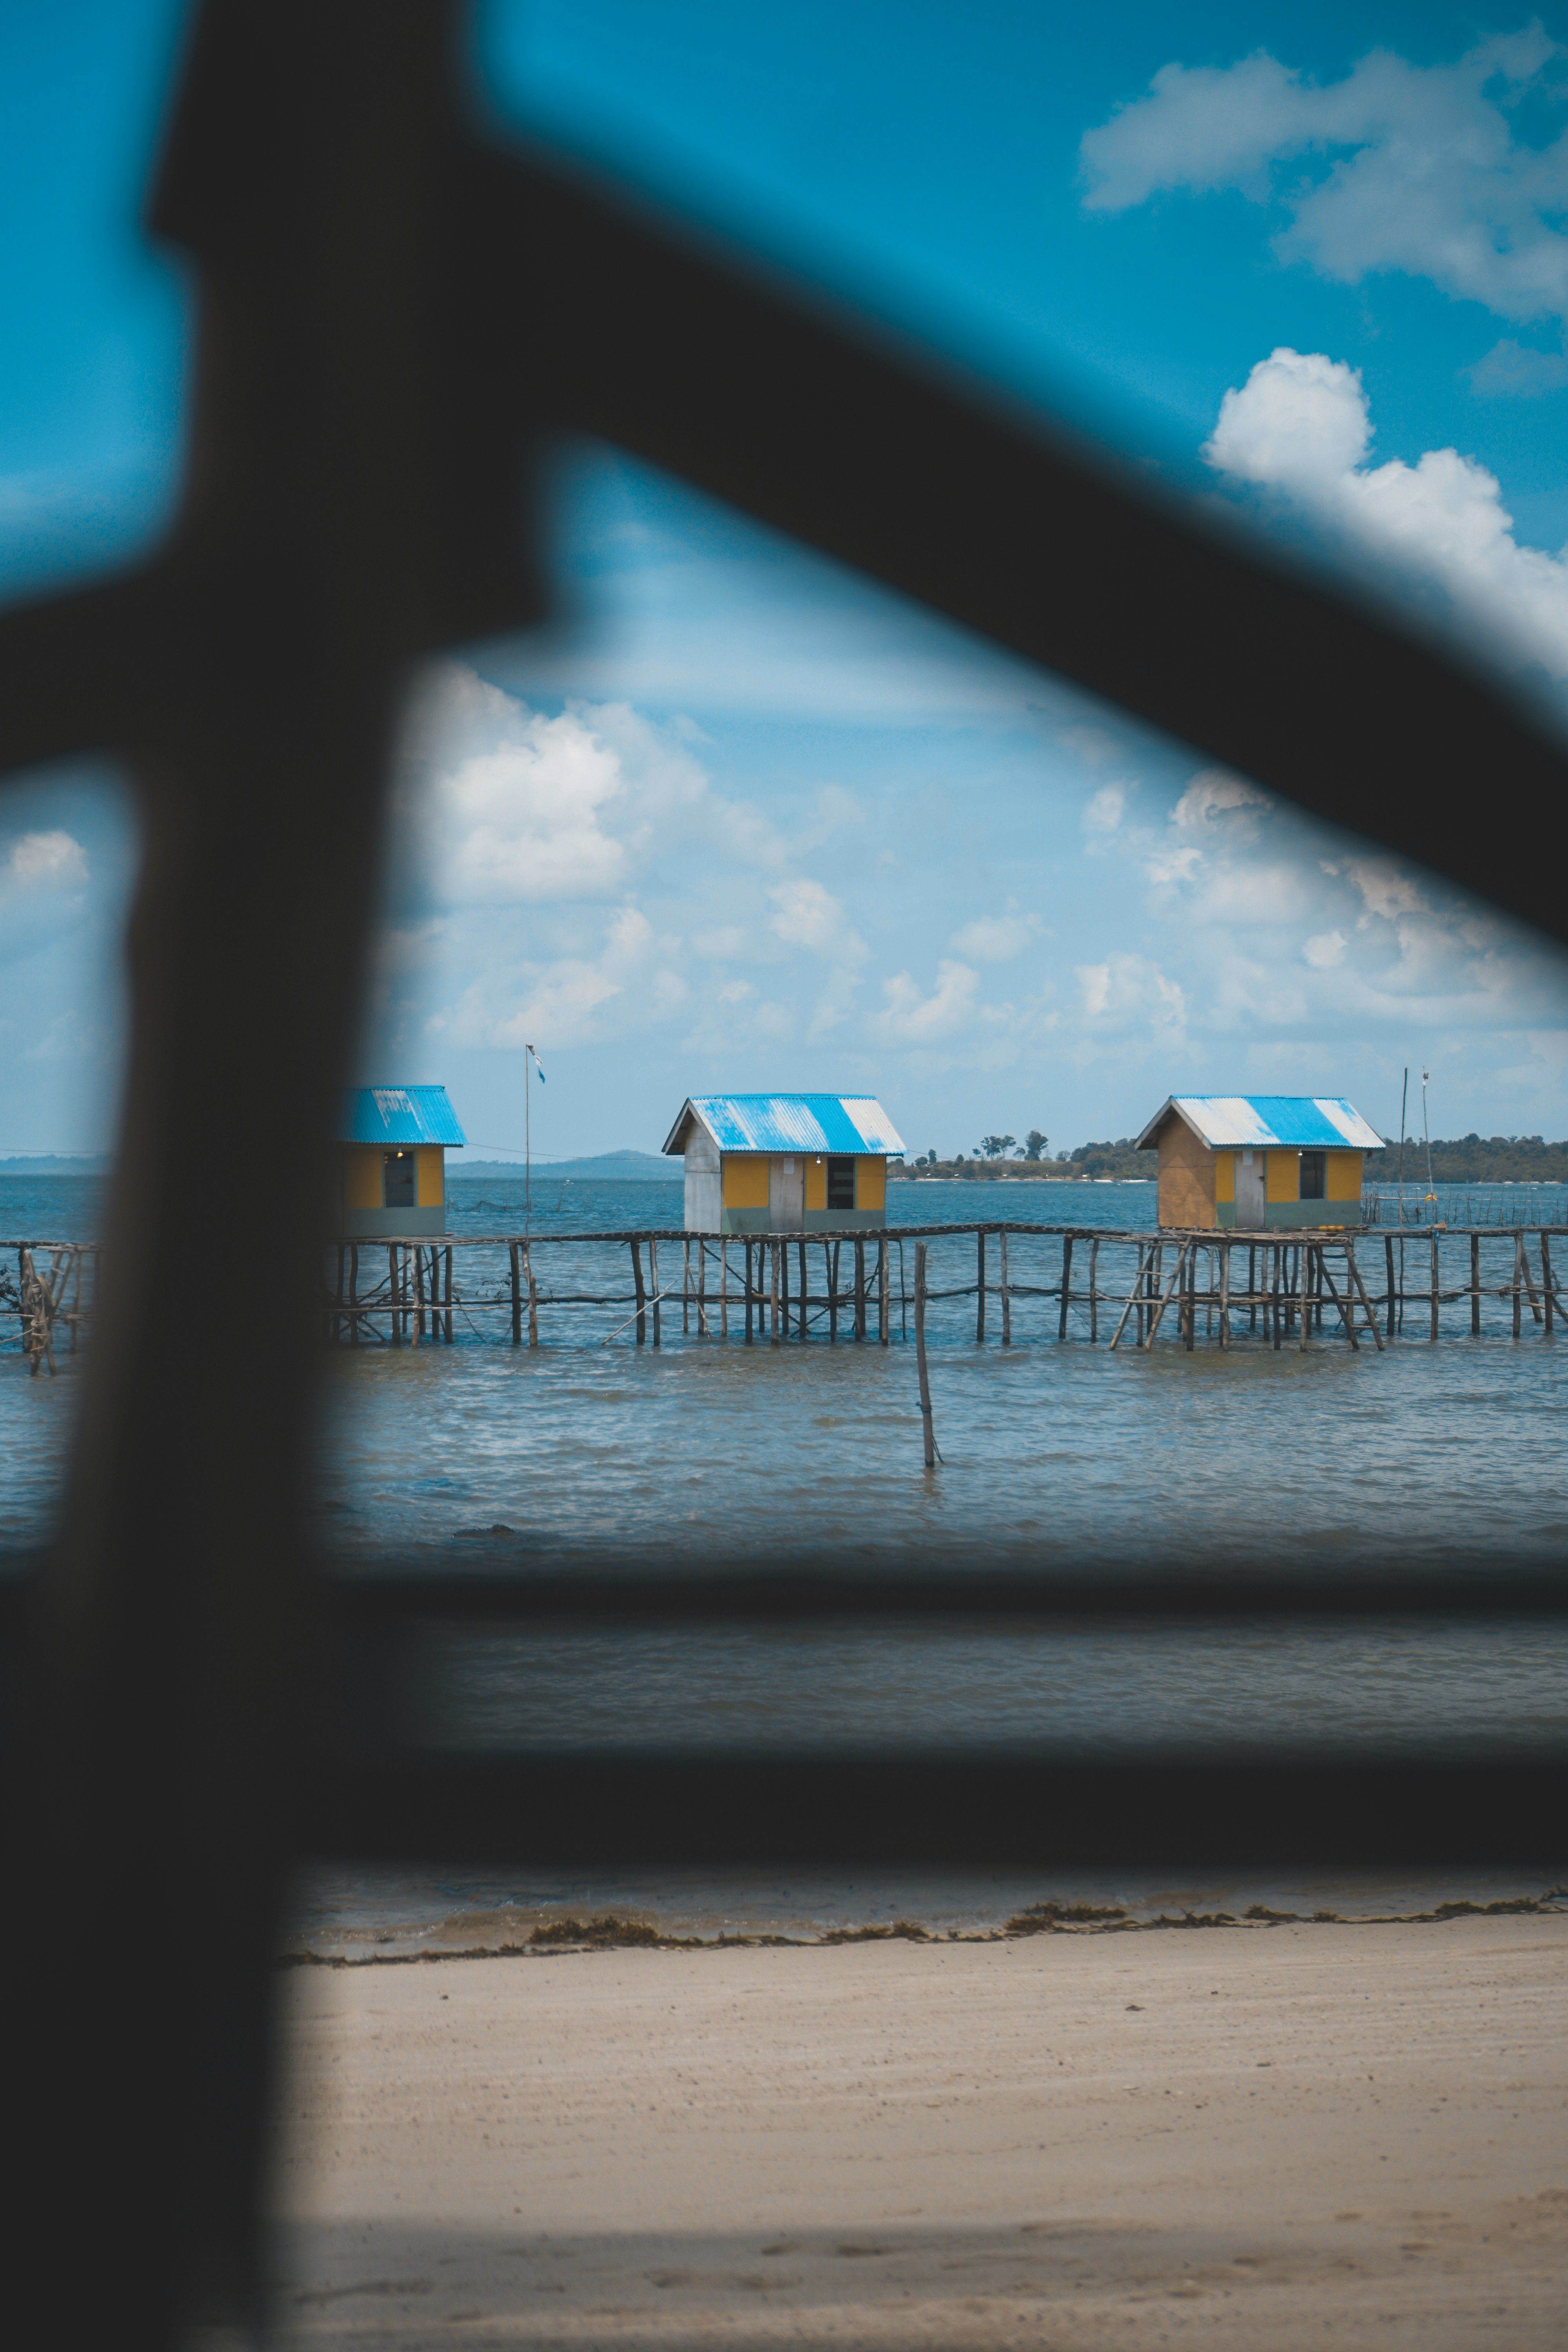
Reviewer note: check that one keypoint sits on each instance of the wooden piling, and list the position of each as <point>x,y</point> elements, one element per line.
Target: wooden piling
<point>773,1293</point>
<point>446,1254</point>
<point>723,1290</point>
<point>1191,1296</point>
<point>980,1290</point>
<point>782,1254</point>
<point>641,1294</point>
<point>353,1294</point>
<point>1067,1285</point>
<point>833,1293</point>
<point>1388,1253</point>
<point>1518,1263</point>
<point>686,1290</point>
<point>1252,1285</point>
<point>926,1430</point>
<point>1006,1299</point>
<point>882,1330</point>
<point>1546,1296</point>
<point>514,1254</point>
<point>1434,1288</point>
<point>654,1289</point>
<point>418,1294</point>
<point>1529,1280</point>
<point>1094,1291</point>
<point>533,1296</point>
<point>702,1290</point>
<point>1476,1282</point>
<point>860,1288</point>
<point>805,1319</point>
<point>1224,1248</point>
<point>750,1288</point>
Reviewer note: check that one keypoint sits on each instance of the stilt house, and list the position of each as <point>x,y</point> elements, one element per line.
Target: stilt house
<point>1259,1161</point>
<point>784,1163</point>
<point>389,1162</point>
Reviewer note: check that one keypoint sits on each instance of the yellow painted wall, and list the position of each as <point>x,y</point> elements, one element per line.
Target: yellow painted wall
<point>816,1183</point>
<point>1225,1175</point>
<point>745,1180</point>
<point>1283,1176</point>
<point>871,1184</point>
<point>430,1184</point>
<point>1343,1182</point>
<point>362,1175</point>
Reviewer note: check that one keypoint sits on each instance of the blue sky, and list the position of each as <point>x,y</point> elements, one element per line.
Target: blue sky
<point>741,820</point>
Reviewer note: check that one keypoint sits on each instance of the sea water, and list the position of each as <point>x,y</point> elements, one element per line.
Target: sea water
<point>591,1454</point>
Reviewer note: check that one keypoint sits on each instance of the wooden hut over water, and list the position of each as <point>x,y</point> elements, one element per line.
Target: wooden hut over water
<point>388,1177</point>
<point>784,1163</point>
<point>1260,1162</point>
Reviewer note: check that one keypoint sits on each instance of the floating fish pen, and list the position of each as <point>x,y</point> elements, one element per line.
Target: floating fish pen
<point>1029,1283</point>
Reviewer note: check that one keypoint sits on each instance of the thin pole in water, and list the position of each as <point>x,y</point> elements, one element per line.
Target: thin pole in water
<point>928,1432</point>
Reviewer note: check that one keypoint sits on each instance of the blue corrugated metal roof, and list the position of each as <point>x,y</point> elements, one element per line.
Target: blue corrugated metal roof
<point>837,1123</point>
<point>398,1115</point>
<point>1292,1122</point>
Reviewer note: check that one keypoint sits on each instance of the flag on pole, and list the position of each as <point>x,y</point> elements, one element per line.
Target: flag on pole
<point>536,1063</point>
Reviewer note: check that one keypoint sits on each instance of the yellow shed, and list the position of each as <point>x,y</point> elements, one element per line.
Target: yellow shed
<point>1260,1162</point>
<point>784,1163</point>
<point>389,1163</point>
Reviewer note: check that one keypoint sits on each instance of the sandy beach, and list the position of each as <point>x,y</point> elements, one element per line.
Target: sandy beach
<point>1231,2137</point>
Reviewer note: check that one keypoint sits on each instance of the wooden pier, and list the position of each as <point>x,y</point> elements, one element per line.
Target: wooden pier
<point>1105,1286</point>
<point>1028,1283</point>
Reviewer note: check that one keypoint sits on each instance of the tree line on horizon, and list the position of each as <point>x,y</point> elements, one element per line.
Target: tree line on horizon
<point>1463,1160</point>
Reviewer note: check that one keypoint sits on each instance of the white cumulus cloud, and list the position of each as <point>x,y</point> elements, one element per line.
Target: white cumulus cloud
<point>1394,167</point>
<point>46,860</point>
<point>911,1018</point>
<point>996,938</point>
<point>1301,427</point>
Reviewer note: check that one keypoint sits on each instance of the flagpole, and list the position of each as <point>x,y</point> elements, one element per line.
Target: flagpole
<point>527,1145</point>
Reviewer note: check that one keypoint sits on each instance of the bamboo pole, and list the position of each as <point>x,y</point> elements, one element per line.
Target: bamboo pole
<point>1252,1285</point>
<point>1224,1248</point>
<point>448,1255</point>
<point>746,1248</point>
<point>1191,1294</point>
<point>1518,1261</point>
<point>1006,1299</point>
<point>1434,1288</point>
<point>1476,1282</point>
<point>980,1289</point>
<point>517,1291</point>
<point>883,1333</point>
<point>702,1290</point>
<point>782,1254</point>
<point>533,1297</point>
<point>773,1292</point>
<point>1304,1291</point>
<point>860,1288</point>
<point>1346,1305</point>
<point>1067,1285</point>
<point>833,1294</point>
<point>637,1287</point>
<point>724,1289</point>
<point>1176,1272</point>
<point>926,1430</point>
<point>1094,1291</point>
<point>654,1289</point>
<point>686,1290</point>
<point>1529,1280</point>
<point>805,1316</point>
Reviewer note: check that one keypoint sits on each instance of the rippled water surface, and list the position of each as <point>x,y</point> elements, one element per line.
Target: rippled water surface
<point>594,1453</point>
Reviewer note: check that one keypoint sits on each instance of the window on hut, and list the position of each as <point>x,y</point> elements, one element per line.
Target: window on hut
<point>397,1179</point>
<point>1314,1169</point>
<point>841,1184</point>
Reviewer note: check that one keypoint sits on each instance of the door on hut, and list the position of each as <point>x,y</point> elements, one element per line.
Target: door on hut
<point>786,1195</point>
<point>1249,1191</point>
